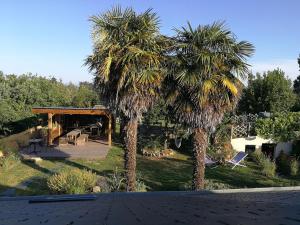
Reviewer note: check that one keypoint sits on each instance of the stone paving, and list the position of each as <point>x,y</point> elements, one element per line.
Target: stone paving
<point>91,150</point>
<point>159,208</point>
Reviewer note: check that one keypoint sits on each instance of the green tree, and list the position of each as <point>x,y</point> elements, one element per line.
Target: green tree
<point>270,92</point>
<point>297,81</point>
<point>85,96</point>
<point>126,59</point>
<point>203,83</point>
<point>18,94</point>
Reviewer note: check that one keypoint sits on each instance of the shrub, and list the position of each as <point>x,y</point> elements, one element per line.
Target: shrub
<point>140,186</point>
<point>9,161</point>
<point>268,166</point>
<point>72,181</point>
<point>213,185</point>
<point>280,127</point>
<point>208,185</point>
<point>221,151</point>
<point>103,183</point>
<point>296,149</point>
<point>294,167</point>
<point>116,181</point>
<point>283,163</point>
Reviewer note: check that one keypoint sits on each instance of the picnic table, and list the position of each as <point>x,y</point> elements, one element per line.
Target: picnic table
<point>73,135</point>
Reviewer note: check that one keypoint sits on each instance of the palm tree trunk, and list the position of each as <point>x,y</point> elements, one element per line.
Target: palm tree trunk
<point>200,145</point>
<point>130,153</point>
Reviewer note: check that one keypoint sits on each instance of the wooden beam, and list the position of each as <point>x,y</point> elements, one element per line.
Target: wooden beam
<point>50,115</point>
<point>104,112</point>
<point>109,130</point>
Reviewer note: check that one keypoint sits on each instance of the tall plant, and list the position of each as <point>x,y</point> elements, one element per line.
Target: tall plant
<point>203,82</point>
<point>126,60</point>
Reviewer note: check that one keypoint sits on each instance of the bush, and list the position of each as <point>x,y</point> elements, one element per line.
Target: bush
<point>221,151</point>
<point>103,183</point>
<point>296,149</point>
<point>294,167</point>
<point>116,181</point>
<point>213,185</point>
<point>268,166</point>
<point>72,181</point>
<point>283,164</point>
<point>9,161</point>
<point>140,186</point>
<point>280,127</point>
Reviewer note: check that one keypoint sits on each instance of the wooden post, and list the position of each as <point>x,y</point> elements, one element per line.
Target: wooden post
<point>50,115</point>
<point>59,124</point>
<point>109,130</point>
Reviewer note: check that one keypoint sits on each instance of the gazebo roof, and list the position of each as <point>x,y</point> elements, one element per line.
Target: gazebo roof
<point>99,110</point>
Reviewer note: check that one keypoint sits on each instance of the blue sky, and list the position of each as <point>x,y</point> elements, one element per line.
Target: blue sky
<point>53,37</point>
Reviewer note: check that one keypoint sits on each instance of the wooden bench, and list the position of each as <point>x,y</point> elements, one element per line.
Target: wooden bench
<point>82,139</point>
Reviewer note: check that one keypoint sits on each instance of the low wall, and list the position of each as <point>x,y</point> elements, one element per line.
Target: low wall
<point>239,144</point>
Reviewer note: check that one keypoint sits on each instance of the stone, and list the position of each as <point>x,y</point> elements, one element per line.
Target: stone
<point>96,189</point>
<point>32,158</point>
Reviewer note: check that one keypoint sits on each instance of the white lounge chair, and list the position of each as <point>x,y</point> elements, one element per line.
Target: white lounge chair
<point>237,159</point>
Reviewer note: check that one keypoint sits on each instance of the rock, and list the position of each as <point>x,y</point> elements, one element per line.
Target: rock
<point>32,158</point>
<point>1,154</point>
<point>96,189</point>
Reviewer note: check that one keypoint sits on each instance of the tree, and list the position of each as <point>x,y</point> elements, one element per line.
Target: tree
<point>85,96</point>
<point>270,92</point>
<point>297,81</point>
<point>126,60</point>
<point>203,83</point>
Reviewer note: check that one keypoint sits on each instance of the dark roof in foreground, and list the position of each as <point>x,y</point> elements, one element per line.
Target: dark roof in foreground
<point>159,208</point>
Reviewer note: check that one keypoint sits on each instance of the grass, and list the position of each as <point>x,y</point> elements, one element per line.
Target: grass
<point>159,175</point>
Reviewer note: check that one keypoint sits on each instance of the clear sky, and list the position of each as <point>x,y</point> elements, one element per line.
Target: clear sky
<point>52,37</point>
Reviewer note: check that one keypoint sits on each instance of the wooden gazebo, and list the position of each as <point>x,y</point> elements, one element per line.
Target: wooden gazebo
<point>56,122</point>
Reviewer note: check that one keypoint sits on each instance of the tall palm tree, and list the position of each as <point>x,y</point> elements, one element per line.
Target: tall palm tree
<point>126,60</point>
<point>203,82</point>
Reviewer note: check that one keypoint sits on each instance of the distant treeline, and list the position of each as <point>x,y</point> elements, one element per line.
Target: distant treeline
<point>18,94</point>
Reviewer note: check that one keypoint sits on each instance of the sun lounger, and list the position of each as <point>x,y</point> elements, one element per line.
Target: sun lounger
<point>237,159</point>
<point>209,161</point>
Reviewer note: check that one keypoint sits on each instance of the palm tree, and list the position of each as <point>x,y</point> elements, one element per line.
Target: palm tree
<point>203,82</point>
<point>126,60</point>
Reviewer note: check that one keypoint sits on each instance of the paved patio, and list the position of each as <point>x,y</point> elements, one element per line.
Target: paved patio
<point>93,149</point>
<point>159,208</point>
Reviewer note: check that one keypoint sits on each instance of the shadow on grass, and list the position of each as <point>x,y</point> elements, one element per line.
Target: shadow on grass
<point>84,167</point>
<point>164,174</point>
<point>38,167</point>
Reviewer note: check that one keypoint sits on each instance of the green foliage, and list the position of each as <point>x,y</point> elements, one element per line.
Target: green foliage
<point>9,161</point>
<point>127,59</point>
<point>85,96</point>
<point>296,84</point>
<point>116,181</point>
<point>283,164</point>
<point>268,167</point>
<point>140,186</point>
<point>18,94</point>
<point>72,181</point>
<point>270,92</point>
<point>296,149</point>
<point>294,167</point>
<point>280,127</point>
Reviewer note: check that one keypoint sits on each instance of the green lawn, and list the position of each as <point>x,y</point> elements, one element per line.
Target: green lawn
<point>165,174</point>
